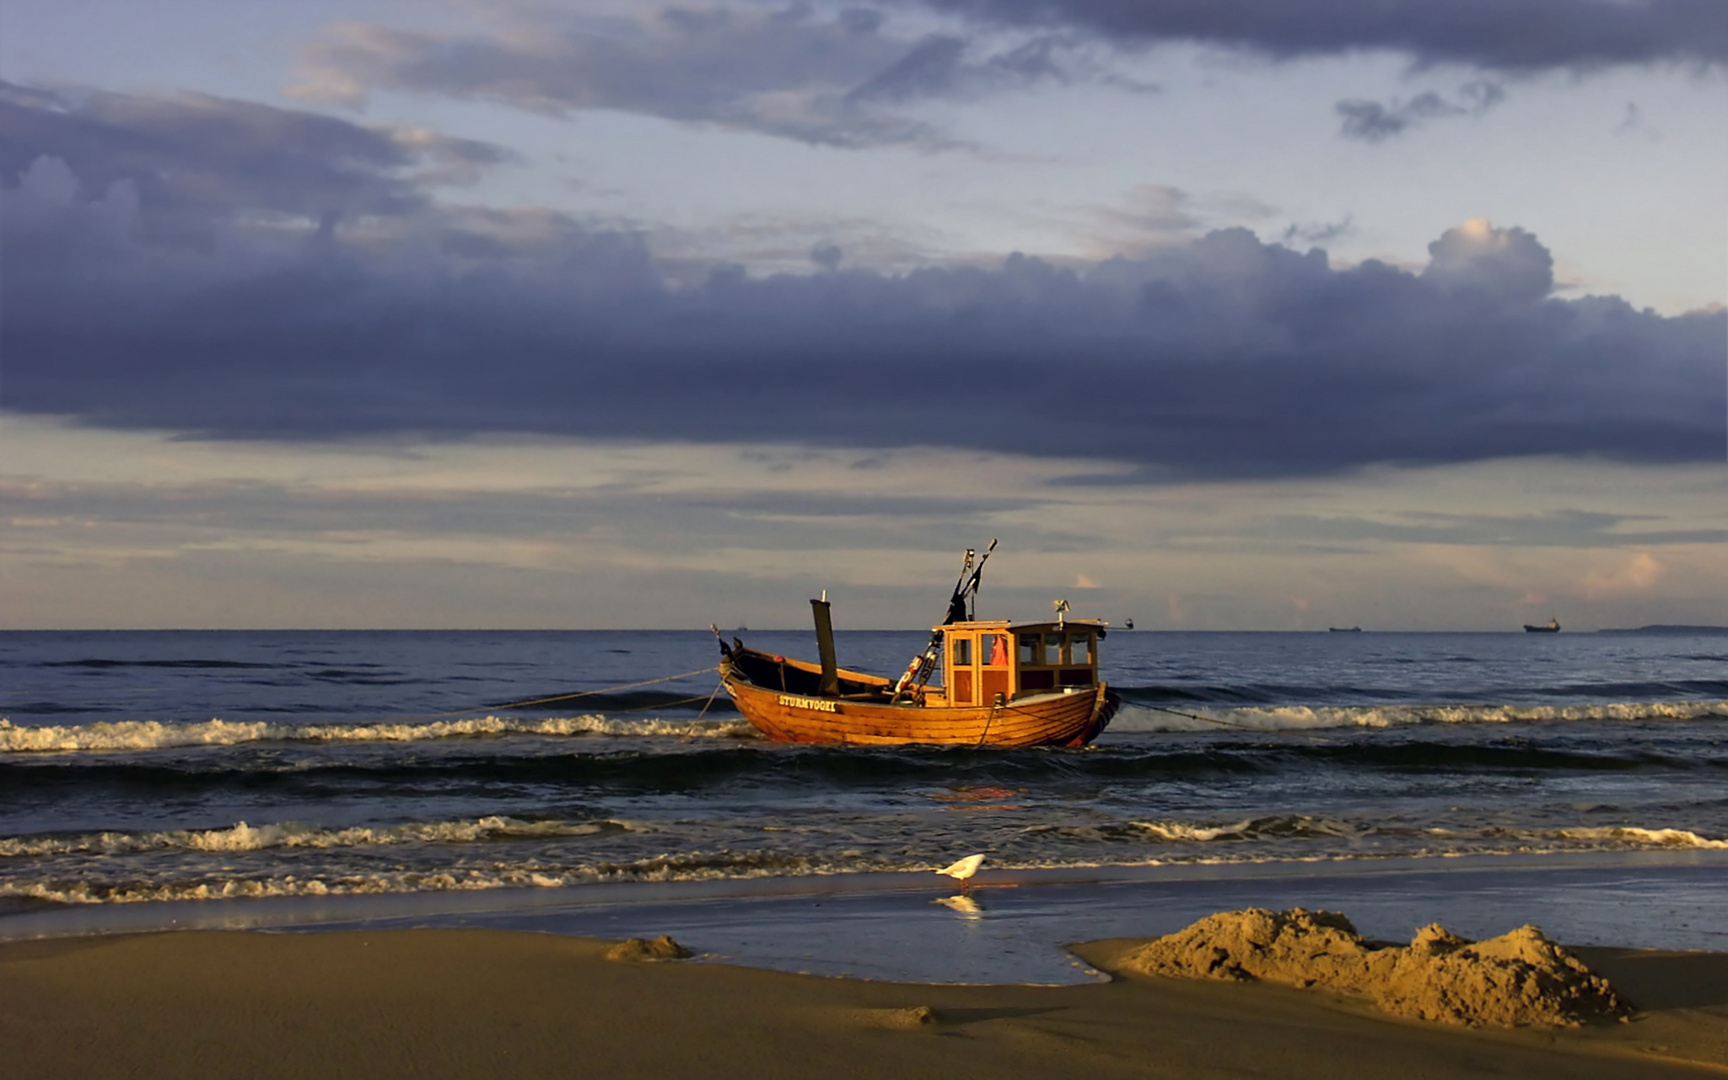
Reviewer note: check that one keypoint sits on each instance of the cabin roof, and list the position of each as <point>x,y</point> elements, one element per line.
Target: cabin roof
<point>1010,626</point>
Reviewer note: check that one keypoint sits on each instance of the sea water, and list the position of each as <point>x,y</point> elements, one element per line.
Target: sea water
<point>140,767</point>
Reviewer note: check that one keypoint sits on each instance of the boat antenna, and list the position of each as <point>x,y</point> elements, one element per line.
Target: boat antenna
<point>966,585</point>
<point>969,591</point>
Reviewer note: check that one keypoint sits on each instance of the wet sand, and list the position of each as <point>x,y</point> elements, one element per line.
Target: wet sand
<point>906,927</point>
<point>453,1002</point>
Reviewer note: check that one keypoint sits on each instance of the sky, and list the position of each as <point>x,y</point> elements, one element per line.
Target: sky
<point>1244,315</point>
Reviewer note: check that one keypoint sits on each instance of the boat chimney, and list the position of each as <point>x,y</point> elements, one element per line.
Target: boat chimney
<point>830,684</point>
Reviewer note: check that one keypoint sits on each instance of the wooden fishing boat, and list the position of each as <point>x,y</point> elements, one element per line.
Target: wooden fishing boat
<point>1003,684</point>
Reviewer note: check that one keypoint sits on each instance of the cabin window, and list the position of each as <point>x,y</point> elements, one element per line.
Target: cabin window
<point>994,650</point>
<point>962,652</point>
<point>1028,649</point>
<point>1037,679</point>
<point>1052,649</point>
<point>1080,649</point>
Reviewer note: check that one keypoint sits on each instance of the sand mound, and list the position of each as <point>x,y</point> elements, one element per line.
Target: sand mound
<point>1513,980</point>
<point>661,948</point>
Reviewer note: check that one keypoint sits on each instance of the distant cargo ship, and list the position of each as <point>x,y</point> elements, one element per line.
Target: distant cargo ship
<point>1552,626</point>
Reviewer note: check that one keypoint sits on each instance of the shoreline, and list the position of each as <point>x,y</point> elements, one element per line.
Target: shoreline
<point>467,1002</point>
<point>869,976</point>
<point>909,926</point>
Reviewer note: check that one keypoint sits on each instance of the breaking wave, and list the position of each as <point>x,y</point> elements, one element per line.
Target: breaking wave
<point>1281,826</point>
<point>1485,839</point>
<point>156,735</point>
<point>685,867</point>
<point>1630,835</point>
<point>1132,718</point>
<point>244,837</point>
<point>1150,843</point>
<point>1140,717</point>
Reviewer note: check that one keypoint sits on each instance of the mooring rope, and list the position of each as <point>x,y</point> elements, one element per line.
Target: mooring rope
<point>721,685</point>
<point>568,697</point>
<point>1240,727</point>
<point>1173,712</point>
<point>603,690</point>
<point>665,705</point>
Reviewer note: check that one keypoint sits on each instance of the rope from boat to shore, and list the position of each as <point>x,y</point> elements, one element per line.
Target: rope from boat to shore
<point>1239,727</point>
<point>1173,712</point>
<point>665,705</point>
<point>568,697</point>
<point>719,686</point>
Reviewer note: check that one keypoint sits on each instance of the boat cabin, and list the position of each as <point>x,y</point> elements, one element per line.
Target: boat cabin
<point>989,660</point>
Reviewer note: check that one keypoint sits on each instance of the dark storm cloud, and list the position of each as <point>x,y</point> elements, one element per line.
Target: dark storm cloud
<point>196,160</point>
<point>787,73</point>
<point>1503,35</point>
<point>1223,356</point>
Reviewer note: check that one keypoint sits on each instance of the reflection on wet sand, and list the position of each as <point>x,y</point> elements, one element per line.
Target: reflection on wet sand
<point>966,907</point>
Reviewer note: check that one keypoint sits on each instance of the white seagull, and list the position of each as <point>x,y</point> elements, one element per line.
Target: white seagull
<point>963,870</point>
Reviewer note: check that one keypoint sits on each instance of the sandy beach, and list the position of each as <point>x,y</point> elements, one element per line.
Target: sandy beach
<point>442,1002</point>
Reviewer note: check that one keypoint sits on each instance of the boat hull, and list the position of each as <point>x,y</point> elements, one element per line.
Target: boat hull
<point>1059,719</point>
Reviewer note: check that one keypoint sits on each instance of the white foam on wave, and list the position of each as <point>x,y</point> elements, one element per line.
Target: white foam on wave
<point>1628,834</point>
<point>1212,845</point>
<point>286,885</point>
<point>1496,837</point>
<point>244,837</point>
<point>1139,718</point>
<point>1177,832</point>
<point>157,735</point>
<point>682,867</point>
<point>1280,826</point>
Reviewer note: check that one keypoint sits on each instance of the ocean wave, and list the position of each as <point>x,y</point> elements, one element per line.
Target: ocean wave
<point>1175,844</point>
<point>157,735</point>
<point>1131,719</point>
<point>1280,826</point>
<point>99,663</point>
<point>244,837</point>
<point>85,892</point>
<point>1144,718</point>
<point>715,768</point>
<point>1487,839</point>
<point>1636,837</point>
<point>665,868</point>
